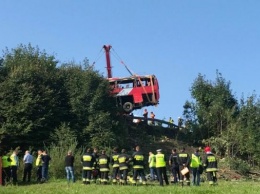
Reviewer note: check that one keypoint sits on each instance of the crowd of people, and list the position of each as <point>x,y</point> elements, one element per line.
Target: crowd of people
<point>10,166</point>
<point>98,166</point>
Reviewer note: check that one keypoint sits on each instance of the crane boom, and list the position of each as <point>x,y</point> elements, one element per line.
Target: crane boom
<point>109,68</point>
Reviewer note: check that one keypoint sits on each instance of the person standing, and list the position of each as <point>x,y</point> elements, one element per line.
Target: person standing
<point>171,121</point>
<point>69,167</point>
<point>38,164</point>
<point>28,161</point>
<point>160,162</point>
<point>145,115</point>
<point>87,163</point>
<point>184,162</point>
<point>152,166</point>
<point>152,118</point>
<point>123,160</point>
<point>138,165</point>
<point>211,166</point>
<point>6,172</point>
<point>195,167</point>
<point>45,165</point>
<point>103,161</point>
<point>115,165</point>
<point>96,171</point>
<point>173,162</point>
<point>14,166</point>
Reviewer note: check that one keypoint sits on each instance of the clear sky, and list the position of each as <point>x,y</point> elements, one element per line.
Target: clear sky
<point>173,39</point>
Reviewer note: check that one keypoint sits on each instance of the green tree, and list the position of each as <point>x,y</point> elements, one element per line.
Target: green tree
<point>29,96</point>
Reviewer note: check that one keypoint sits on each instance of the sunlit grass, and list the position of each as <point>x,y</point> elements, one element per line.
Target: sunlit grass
<point>61,187</point>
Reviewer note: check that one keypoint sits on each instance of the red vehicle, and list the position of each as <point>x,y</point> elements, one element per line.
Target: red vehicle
<point>132,92</point>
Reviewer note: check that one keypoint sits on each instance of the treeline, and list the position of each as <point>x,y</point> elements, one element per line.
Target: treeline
<point>44,102</point>
<point>217,118</point>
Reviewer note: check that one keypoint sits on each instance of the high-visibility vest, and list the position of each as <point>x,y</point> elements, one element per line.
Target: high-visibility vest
<point>5,162</point>
<point>14,161</point>
<point>160,161</point>
<point>195,161</point>
<point>38,160</point>
<point>152,162</point>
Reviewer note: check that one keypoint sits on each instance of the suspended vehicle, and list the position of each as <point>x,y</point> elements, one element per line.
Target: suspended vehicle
<point>133,92</point>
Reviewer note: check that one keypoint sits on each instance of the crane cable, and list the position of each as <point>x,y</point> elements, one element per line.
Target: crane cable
<point>98,57</point>
<point>135,75</point>
<point>122,62</point>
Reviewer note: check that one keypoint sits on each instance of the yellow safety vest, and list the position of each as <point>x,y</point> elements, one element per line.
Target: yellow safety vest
<point>152,162</point>
<point>195,161</point>
<point>39,160</point>
<point>5,162</point>
<point>160,161</point>
<point>13,162</point>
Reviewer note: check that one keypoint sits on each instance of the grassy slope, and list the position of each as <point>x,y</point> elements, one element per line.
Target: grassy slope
<point>58,187</point>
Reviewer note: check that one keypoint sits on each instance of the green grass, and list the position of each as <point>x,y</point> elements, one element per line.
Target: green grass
<point>61,187</point>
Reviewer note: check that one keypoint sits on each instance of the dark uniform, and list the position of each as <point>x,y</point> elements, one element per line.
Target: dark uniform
<point>96,171</point>
<point>184,161</point>
<point>6,171</point>
<point>138,166</point>
<point>123,160</point>
<point>103,162</point>
<point>87,163</point>
<point>211,166</point>
<point>115,165</point>
<point>173,161</point>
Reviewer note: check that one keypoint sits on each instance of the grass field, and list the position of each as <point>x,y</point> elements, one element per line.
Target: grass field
<point>61,187</point>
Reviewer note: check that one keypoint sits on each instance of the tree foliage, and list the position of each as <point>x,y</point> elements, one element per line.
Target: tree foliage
<point>217,118</point>
<point>39,99</point>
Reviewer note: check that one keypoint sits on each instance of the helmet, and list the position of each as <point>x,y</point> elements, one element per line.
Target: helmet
<point>207,149</point>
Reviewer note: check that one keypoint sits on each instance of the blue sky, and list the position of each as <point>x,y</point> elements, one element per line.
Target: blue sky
<point>173,39</point>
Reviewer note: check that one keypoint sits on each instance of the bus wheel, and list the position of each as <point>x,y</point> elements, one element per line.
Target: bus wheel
<point>128,107</point>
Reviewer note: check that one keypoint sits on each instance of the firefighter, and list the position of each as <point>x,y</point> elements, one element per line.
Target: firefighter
<point>160,162</point>
<point>6,172</point>
<point>115,165</point>
<point>103,161</point>
<point>138,165</point>
<point>87,163</point>
<point>173,162</point>
<point>211,166</point>
<point>123,160</point>
<point>184,162</point>
<point>195,167</point>
<point>14,166</point>
<point>96,171</point>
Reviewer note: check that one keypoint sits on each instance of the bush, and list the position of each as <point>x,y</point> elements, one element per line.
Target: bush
<point>239,165</point>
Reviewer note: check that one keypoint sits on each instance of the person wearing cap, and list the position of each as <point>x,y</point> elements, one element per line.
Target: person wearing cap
<point>184,162</point>
<point>160,163</point>
<point>211,166</point>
